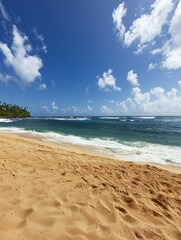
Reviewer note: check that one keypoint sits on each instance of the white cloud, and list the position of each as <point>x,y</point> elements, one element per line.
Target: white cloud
<point>179,83</point>
<point>152,66</point>
<point>105,110</point>
<point>5,78</point>
<point>154,102</point>
<point>3,12</point>
<point>172,51</point>
<point>89,108</point>
<point>42,86</point>
<point>40,37</point>
<point>87,89</point>
<point>26,66</point>
<point>54,107</point>
<point>51,108</point>
<point>150,25</point>
<point>108,82</point>
<point>117,16</point>
<point>46,108</point>
<point>111,101</point>
<point>53,83</point>
<point>158,91</point>
<point>89,101</point>
<point>158,28</point>
<point>132,78</point>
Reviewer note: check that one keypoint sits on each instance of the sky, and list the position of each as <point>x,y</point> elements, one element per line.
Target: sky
<point>91,57</point>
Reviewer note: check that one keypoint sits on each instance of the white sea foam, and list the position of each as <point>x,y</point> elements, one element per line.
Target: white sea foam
<point>111,118</point>
<point>172,119</point>
<point>69,118</point>
<point>144,117</point>
<point>5,120</point>
<point>132,151</point>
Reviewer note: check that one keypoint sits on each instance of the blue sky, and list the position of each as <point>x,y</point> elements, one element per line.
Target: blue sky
<point>91,57</point>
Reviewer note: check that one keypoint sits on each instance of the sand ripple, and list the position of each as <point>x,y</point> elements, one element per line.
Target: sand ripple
<point>49,193</point>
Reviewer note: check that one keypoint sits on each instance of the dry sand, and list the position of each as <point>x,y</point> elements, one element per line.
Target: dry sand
<point>50,193</point>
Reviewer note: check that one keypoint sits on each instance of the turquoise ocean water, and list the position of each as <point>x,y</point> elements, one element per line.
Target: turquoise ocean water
<point>146,139</point>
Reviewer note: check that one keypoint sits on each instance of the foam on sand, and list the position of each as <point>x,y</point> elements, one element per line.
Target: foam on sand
<point>133,151</point>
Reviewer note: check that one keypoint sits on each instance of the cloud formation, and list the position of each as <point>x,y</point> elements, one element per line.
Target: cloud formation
<point>41,39</point>
<point>4,13</point>
<point>172,50</point>
<point>26,66</point>
<point>117,16</point>
<point>42,86</point>
<point>133,78</point>
<point>6,78</point>
<point>154,102</point>
<point>158,29</point>
<point>150,25</point>
<point>152,66</point>
<point>51,108</point>
<point>108,82</point>
<point>54,107</point>
<point>105,110</point>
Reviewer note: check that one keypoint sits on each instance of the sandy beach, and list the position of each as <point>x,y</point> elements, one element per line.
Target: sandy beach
<point>47,192</point>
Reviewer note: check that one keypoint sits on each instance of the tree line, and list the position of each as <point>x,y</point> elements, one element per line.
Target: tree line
<point>12,110</point>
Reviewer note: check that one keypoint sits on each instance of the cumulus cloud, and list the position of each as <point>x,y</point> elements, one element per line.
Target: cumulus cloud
<point>108,82</point>
<point>105,110</point>
<point>150,25</point>
<point>132,78</point>
<point>172,51</point>
<point>51,108</point>
<point>152,66</point>
<point>42,86</point>
<point>45,108</point>
<point>26,66</point>
<point>154,102</point>
<point>117,16</point>
<point>54,107</point>
<point>179,83</point>
<point>158,28</point>
<point>6,78</point>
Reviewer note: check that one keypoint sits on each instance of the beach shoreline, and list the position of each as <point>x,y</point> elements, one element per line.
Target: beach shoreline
<point>49,192</point>
<point>81,149</point>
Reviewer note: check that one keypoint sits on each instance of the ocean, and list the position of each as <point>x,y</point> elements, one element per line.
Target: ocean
<point>139,139</point>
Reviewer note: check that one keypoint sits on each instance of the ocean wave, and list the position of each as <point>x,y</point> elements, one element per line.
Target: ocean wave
<point>69,118</point>
<point>171,119</point>
<point>5,120</point>
<point>137,151</point>
<point>111,118</point>
<point>144,117</point>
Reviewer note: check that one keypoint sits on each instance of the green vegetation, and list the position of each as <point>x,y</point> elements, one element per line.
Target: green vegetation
<point>12,111</point>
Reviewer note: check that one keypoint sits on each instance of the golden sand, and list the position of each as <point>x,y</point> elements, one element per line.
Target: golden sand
<point>49,193</point>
